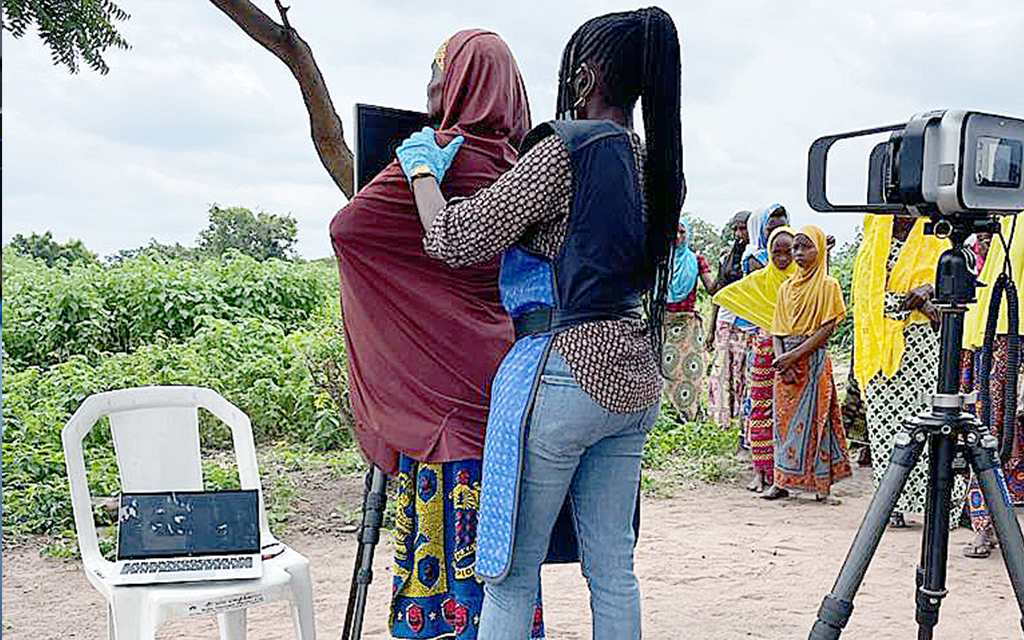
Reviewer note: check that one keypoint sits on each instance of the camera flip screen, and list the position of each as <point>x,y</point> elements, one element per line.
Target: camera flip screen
<point>998,162</point>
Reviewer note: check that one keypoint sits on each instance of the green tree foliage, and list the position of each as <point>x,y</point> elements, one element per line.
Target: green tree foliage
<point>73,29</point>
<point>841,267</point>
<point>45,248</point>
<point>176,251</point>
<point>705,239</point>
<point>261,235</point>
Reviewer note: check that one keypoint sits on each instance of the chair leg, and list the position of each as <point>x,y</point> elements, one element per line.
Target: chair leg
<point>302,614</point>
<point>302,603</point>
<point>232,625</point>
<point>131,619</point>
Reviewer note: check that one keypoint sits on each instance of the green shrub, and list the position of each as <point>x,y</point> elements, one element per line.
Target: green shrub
<point>694,450</point>
<point>252,363</point>
<point>51,314</point>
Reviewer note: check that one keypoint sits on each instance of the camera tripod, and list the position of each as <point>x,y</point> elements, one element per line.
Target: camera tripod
<point>955,440</point>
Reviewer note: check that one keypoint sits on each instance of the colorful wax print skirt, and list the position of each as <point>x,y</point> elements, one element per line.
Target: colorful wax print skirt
<point>1013,469</point>
<point>435,593</point>
<point>810,446</point>
<point>760,386</point>
<point>728,373</point>
<point>683,355</point>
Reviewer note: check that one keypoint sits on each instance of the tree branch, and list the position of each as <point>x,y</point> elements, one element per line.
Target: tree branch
<point>284,42</point>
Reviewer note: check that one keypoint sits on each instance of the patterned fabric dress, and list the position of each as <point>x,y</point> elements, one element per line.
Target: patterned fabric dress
<point>683,350</point>
<point>761,384</point>
<point>810,448</point>
<point>1013,469</point>
<point>435,593</point>
<point>728,380</point>
<point>683,354</point>
<point>888,402</point>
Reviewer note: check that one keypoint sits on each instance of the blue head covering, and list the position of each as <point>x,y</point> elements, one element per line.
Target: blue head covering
<point>757,230</point>
<point>684,269</point>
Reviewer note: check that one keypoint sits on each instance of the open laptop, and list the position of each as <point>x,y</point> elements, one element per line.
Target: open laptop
<point>188,536</point>
<point>379,131</point>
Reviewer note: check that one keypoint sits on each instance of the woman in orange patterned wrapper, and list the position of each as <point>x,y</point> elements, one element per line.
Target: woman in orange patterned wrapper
<point>810,447</point>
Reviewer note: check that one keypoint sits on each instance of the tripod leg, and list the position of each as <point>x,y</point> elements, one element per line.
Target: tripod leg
<point>354,586</point>
<point>835,610</point>
<point>931,588</point>
<point>985,462</point>
<point>369,535</point>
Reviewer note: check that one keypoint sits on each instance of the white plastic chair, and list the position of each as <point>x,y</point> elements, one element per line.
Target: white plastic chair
<point>156,439</point>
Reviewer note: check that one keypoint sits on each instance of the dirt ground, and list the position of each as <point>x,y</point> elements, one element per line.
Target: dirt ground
<point>714,562</point>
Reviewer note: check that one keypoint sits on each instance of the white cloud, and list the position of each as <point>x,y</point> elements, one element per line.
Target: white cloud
<point>196,113</point>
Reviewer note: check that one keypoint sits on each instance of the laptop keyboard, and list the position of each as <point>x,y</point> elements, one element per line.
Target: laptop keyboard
<point>190,564</point>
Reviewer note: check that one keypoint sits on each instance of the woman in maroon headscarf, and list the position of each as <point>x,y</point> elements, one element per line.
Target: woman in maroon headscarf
<point>424,340</point>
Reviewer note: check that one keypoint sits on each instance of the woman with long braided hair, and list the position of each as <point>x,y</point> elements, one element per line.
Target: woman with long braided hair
<point>584,221</point>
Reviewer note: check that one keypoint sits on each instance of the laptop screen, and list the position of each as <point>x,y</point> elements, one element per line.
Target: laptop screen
<point>379,131</point>
<point>180,524</point>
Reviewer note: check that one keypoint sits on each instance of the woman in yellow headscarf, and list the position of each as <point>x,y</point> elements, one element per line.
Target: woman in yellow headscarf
<point>753,299</point>
<point>810,447</point>
<point>896,342</point>
<point>974,336</point>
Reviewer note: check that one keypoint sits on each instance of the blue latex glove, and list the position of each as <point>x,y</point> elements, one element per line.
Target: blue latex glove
<point>421,149</point>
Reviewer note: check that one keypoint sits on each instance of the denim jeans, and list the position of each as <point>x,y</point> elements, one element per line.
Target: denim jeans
<point>575,446</point>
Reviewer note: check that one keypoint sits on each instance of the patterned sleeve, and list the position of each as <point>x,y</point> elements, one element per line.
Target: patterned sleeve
<point>702,266</point>
<point>536,189</point>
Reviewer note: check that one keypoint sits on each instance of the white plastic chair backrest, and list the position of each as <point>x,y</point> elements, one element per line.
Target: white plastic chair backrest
<point>145,420</point>
<point>158,449</point>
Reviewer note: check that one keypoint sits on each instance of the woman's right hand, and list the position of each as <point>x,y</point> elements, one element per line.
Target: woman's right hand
<point>788,376</point>
<point>785,362</point>
<point>419,154</point>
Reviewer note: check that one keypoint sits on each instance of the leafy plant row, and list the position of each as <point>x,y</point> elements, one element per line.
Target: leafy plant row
<point>254,363</point>
<point>52,314</point>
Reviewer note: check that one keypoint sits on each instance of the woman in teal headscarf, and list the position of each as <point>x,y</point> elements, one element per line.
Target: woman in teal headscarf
<point>683,353</point>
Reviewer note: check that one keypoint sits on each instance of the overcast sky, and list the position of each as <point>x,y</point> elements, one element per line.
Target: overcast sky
<point>196,113</point>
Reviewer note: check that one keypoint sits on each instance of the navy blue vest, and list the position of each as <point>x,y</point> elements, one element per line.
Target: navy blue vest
<point>599,271</point>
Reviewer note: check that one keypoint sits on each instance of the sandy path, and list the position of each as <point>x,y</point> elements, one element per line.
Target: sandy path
<point>713,562</point>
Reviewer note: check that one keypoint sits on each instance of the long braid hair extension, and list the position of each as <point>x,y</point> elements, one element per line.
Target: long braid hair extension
<point>634,54</point>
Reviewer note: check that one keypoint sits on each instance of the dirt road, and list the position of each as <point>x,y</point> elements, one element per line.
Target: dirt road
<point>714,563</point>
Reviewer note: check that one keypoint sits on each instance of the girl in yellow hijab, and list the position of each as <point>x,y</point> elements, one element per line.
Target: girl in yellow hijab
<point>974,336</point>
<point>810,446</point>
<point>753,299</point>
<point>896,343</point>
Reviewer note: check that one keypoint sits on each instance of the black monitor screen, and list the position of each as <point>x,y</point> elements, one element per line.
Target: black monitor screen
<point>176,524</point>
<point>379,131</point>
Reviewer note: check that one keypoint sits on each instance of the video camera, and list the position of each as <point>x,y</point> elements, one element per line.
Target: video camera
<point>942,164</point>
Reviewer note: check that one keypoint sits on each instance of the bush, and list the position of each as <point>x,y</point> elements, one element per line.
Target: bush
<point>256,332</point>
<point>52,314</point>
<point>694,450</point>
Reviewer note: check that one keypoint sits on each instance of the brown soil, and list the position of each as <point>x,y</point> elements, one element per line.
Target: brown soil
<point>714,563</point>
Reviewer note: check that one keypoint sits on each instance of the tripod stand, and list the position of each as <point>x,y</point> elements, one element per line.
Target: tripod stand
<point>943,428</point>
<point>375,498</point>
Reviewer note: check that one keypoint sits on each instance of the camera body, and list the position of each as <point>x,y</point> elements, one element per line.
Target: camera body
<point>941,163</point>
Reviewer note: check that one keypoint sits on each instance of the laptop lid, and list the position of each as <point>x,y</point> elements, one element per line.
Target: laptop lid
<point>379,131</point>
<point>184,524</point>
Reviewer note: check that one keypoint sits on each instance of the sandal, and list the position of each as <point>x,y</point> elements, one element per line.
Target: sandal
<point>826,498</point>
<point>759,483</point>
<point>896,521</point>
<point>980,547</point>
<point>775,493</point>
